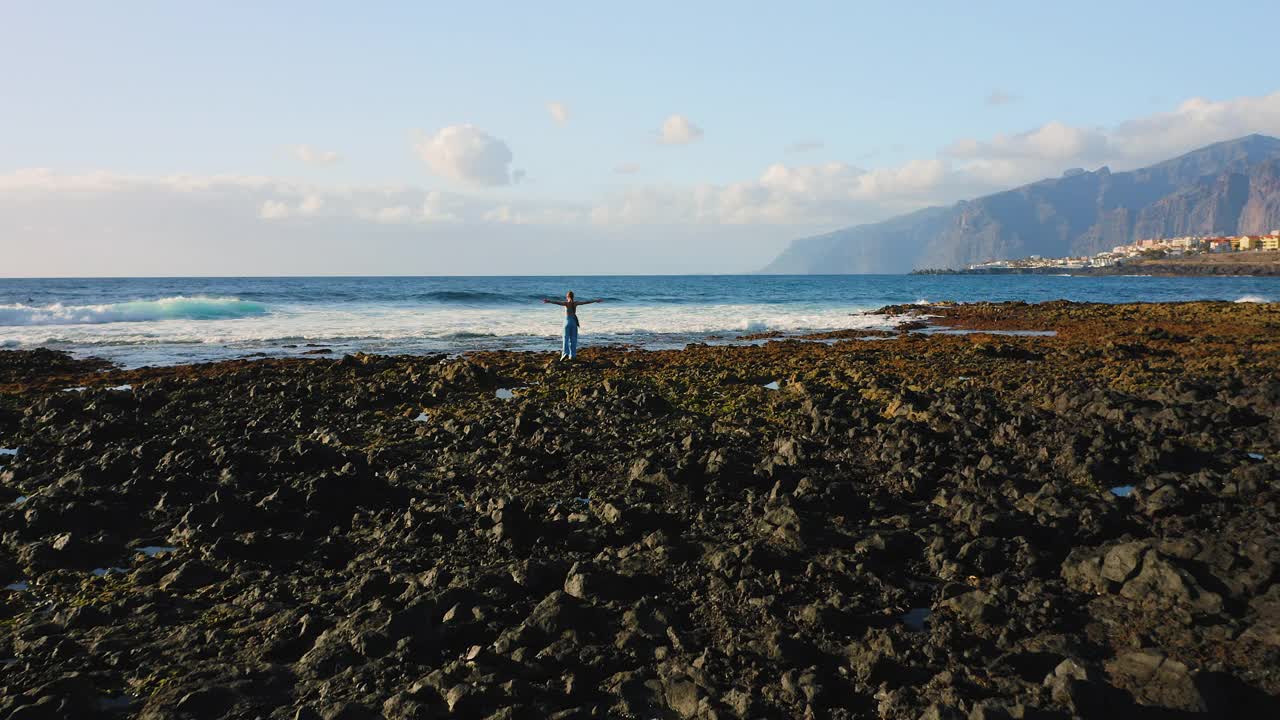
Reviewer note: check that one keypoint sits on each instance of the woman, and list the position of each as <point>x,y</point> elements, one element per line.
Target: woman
<point>569,348</point>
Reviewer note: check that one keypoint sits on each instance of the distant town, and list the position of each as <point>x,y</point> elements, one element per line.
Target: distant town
<point>1140,251</point>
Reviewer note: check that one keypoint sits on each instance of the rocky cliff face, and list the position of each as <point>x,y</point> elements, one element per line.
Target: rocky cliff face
<point>1227,188</point>
<point>1261,211</point>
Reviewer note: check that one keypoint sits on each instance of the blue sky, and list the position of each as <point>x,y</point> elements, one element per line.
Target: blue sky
<point>305,112</point>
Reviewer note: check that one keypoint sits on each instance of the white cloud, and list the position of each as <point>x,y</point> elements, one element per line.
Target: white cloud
<point>507,215</point>
<point>34,179</point>
<point>441,207</point>
<point>1053,141</point>
<point>467,154</point>
<point>837,193</point>
<point>916,179</point>
<point>559,112</point>
<point>784,194</point>
<point>256,197</point>
<point>1009,160</point>
<point>827,194</point>
<point>391,214</point>
<point>1194,123</point>
<point>678,130</point>
<point>773,198</point>
<point>626,169</point>
<point>279,210</point>
<point>315,156</point>
<point>273,210</point>
<point>310,205</point>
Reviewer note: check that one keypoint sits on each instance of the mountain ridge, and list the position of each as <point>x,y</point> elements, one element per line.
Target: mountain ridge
<point>1225,188</point>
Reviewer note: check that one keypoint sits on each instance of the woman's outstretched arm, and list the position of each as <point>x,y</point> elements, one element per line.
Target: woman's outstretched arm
<point>588,302</point>
<point>561,303</point>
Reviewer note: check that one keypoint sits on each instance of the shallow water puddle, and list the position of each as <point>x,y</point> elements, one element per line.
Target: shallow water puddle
<point>772,386</point>
<point>100,572</point>
<point>115,388</point>
<point>21,499</point>
<point>916,618</point>
<point>8,451</point>
<point>504,393</point>
<point>1255,456</point>
<point>154,550</point>
<point>422,417</point>
<point>1122,491</point>
<point>18,586</point>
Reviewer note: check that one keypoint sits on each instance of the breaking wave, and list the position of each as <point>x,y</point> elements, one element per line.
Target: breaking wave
<point>1253,299</point>
<point>170,308</point>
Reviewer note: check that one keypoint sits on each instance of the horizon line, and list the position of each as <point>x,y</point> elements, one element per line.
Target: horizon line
<point>379,277</point>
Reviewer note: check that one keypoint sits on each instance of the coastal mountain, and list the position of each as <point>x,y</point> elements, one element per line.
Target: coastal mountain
<point>1228,188</point>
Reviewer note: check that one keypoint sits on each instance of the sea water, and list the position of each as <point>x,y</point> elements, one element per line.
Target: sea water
<point>151,321</point>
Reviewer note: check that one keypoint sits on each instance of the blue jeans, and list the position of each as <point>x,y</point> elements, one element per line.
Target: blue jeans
<point>569,348</point>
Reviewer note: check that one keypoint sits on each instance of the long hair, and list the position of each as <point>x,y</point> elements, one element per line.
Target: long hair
<point>569,294</point>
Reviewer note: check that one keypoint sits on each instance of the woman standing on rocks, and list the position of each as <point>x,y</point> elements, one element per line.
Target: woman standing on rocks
<point>569,347</point>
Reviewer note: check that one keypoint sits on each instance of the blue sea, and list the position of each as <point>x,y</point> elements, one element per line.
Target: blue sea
<point>154,321</point>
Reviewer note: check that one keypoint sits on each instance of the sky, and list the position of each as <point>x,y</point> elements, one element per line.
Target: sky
<point>479,138</point>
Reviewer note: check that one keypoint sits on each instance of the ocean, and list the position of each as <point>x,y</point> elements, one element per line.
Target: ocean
<point>157,321</point>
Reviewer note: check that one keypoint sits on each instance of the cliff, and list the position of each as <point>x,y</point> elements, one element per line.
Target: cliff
<point>1223,189</point>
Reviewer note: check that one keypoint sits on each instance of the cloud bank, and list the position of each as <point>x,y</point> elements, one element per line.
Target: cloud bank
<point>782,194</point>
<point>1012,159</point>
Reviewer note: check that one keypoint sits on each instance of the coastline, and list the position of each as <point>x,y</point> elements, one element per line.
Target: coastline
<point>925,523</point>
<point>181,321</point>
<point>1226,265</point>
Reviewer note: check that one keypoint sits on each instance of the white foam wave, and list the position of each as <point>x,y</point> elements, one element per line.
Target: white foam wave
<point>1253,299</point>
<point>170,308</point>
<point>384,328</point>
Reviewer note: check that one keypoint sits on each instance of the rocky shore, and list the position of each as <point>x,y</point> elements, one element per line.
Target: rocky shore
<point>930,524</point>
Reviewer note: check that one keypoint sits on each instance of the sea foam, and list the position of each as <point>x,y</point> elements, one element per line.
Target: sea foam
<point>139,322</point>
<point>1253,299</point>
<point>170,308</point>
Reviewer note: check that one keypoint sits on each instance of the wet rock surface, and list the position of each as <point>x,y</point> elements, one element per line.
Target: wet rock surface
<point>919,527</point>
